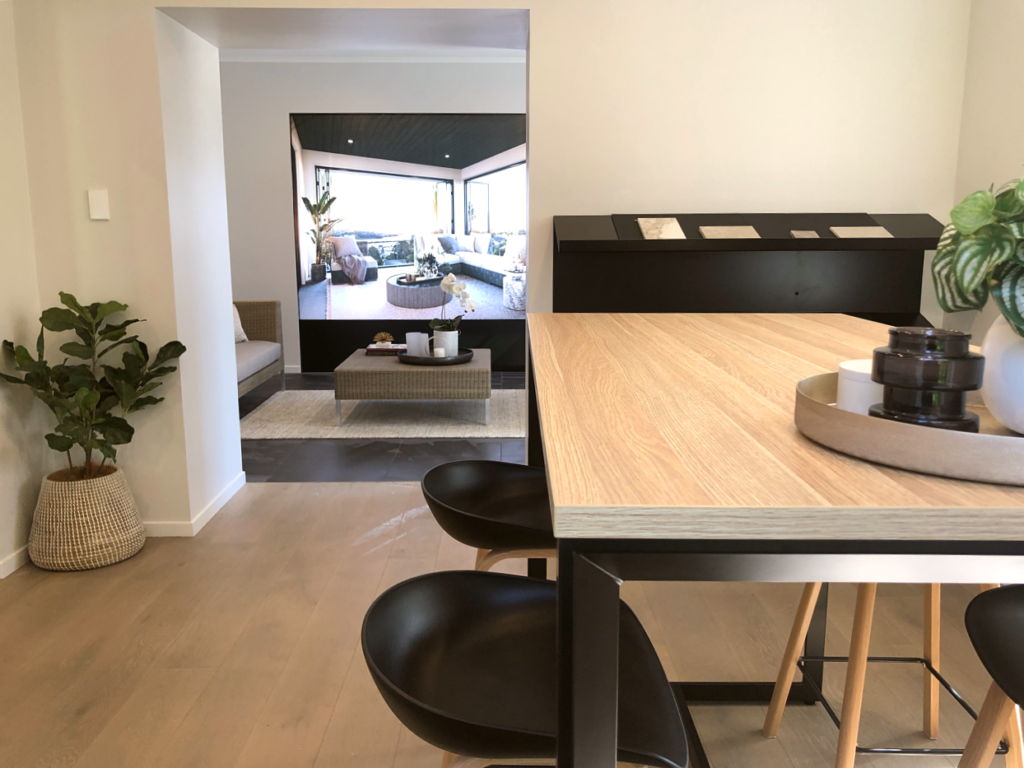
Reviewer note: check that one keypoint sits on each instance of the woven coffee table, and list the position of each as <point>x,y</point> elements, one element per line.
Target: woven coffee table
<point>371,377</point>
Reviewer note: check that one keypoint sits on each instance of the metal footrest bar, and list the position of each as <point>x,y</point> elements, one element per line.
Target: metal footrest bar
<point>808,680</point>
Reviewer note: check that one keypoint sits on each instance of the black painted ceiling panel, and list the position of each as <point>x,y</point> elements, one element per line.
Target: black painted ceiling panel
<point>422,139</point>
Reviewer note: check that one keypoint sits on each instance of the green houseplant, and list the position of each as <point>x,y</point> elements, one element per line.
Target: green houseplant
<point>86,515</point>
<point>981,254</point>
<point>320,212</point>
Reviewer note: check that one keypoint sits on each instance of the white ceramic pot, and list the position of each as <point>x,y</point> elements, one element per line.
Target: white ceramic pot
<point>447,340</point>
<point>1003,386</point>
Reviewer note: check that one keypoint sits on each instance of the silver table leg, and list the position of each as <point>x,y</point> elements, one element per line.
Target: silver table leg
<point>487,410</point>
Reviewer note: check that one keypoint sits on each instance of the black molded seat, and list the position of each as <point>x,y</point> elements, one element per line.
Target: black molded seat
<point>467,661</point>
<point>491,504</point>
<point>995,623</point>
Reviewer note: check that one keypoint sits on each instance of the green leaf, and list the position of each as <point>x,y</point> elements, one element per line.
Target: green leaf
<point>116,430</point>
<point>979,253</point>
<point>71,303</point>
<point>1018,254</point>
<point>976,211</point>
<point>128,340</point>
<point>75,349</point>
<point>60,442</point>
<point>12,379</point>
<point>1007,288</point>
<point>1020,190</point>
<point>40,346</point>
<point>951,297</point>
<point>57,319</point>
<point>86,399</point>
<point>1008,205</point>
<point>116,330</point>
<point>108,308</point>
<point>1017,227</point>
<point>169,351</point>
<point>144,402</point>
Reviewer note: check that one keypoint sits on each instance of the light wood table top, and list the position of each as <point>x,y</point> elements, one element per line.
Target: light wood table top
<point>681,426</point>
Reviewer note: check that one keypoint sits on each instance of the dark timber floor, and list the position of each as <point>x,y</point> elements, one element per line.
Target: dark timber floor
<point>295,461</point>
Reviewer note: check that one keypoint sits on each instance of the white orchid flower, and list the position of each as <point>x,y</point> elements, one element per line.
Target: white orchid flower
<point>470,305</point>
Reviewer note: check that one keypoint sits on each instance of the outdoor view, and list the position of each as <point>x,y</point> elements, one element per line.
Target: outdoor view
<point>387,240</point>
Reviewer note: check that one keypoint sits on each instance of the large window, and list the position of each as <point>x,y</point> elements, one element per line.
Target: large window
<point>496,202</point>
<point>384,211</point>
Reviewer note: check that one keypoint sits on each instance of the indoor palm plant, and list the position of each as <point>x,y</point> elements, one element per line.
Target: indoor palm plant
<point>86,516</point>
<point>981,253</point>
<point>320,212</point>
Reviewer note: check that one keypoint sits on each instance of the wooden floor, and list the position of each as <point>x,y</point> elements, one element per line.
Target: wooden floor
<point>241,647</point>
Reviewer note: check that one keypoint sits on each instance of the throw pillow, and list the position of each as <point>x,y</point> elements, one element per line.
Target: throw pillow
<point>466,243</point>
<point>345,246</point>
<point>449,243</point>
<point>482,242</point>
<point>239,330</point>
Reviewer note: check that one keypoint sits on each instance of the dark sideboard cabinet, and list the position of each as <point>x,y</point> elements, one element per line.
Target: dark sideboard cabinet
<point>603,264</point>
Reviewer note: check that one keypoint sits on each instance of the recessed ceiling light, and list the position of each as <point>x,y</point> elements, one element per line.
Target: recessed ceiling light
<point>447,156</point>
<point>350,141</point>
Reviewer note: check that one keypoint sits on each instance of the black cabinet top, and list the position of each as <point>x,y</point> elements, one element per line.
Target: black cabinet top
<point>620,232</point>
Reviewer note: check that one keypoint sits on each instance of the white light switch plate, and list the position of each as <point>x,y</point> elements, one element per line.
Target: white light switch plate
<point>99,205</point>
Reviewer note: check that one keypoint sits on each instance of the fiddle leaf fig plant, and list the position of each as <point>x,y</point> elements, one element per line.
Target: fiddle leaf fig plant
<point>89,394</point>
<point>981,253</point>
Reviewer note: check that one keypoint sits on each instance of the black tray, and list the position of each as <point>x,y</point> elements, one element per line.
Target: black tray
<point>464,356</point>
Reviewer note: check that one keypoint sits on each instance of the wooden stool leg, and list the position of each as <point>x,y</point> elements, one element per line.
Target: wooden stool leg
<point>481,555</point>
<point>1014,743</point>
<point>981,746</point>
<point>856,671</point>
<point>932,624</point>
<point>797,635</point>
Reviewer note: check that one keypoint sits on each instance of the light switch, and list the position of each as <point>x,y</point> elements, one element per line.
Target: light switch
<point>99,205</point>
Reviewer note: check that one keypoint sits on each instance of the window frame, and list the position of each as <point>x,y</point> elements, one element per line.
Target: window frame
<point>465,193</point>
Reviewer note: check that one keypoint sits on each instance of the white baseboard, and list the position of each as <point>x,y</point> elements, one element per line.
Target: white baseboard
<point>191,528</point>
<point>293,369</point>
<point>13,561</point>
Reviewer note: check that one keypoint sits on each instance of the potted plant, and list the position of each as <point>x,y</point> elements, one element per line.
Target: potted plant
<point>320,212</point>
<point>446,329</point>
<point>86,516</point>
<point>981,253</point>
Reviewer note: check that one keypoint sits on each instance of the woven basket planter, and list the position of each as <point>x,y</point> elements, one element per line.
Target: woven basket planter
<point>84,524</point>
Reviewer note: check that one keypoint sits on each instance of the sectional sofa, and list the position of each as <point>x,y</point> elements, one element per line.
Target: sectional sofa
<point>469,254</point>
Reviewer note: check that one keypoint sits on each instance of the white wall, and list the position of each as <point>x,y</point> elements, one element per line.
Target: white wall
<point>259,97</point>
<point>194,147</point>
<point>647,105</point>
<point>24,457</point>
<point>992,127</point>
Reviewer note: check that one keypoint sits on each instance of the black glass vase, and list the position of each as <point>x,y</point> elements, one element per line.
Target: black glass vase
<point>926,374</point>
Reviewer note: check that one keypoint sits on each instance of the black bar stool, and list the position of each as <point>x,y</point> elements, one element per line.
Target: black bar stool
<point>995,623</point>
<point>501,509</point>
<point>467,662</point>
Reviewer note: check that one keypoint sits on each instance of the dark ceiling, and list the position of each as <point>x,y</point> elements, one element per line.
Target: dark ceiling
<point>423,139</point>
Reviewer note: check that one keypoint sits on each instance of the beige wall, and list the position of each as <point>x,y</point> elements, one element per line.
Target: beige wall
<point>992,127</point>
<point>24,457</point>
<point>194,147</point>
<point>259,97</point>
<point>647,105</point>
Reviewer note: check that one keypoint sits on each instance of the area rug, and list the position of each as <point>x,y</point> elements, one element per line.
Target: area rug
<point>309,414</point>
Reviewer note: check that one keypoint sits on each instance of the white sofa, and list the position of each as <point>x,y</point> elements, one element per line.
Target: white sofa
<point>471,257</point>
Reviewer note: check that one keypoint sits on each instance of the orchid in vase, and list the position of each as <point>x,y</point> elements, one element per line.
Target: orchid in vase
<point>454,287</point>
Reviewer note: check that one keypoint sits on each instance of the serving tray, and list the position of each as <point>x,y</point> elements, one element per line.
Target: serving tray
<point>995,455</point>
<point>464,356</point>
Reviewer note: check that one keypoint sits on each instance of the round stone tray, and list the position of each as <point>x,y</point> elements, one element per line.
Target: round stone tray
<point>464,356</point>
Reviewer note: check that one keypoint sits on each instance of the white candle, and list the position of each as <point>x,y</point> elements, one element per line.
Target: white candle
<point>439,352</point>
<point>856,391</point>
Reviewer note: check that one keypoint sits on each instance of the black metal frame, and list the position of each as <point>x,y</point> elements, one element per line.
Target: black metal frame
<point>895,660</point>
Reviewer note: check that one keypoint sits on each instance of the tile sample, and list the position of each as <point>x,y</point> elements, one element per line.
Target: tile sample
<point>729,233</point>
<point>860,232</point>
<point>802,234</point>
<point>661,229</point>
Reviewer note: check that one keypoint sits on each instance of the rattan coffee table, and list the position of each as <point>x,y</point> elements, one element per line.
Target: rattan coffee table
<point>371,377</point>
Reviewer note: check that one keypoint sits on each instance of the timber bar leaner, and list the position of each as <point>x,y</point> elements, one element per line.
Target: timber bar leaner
<point>680,461</point>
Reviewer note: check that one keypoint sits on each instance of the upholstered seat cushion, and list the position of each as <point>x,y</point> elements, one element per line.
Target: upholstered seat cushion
<point>253,356</point>
<point>483,260</point>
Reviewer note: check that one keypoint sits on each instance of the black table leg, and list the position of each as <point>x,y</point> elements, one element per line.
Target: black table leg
<point>534,444</point>
<point>588,662</point>
<point>814,645</point>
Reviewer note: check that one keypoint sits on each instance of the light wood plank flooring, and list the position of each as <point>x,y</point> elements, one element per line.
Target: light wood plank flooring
<point>241,647</point>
